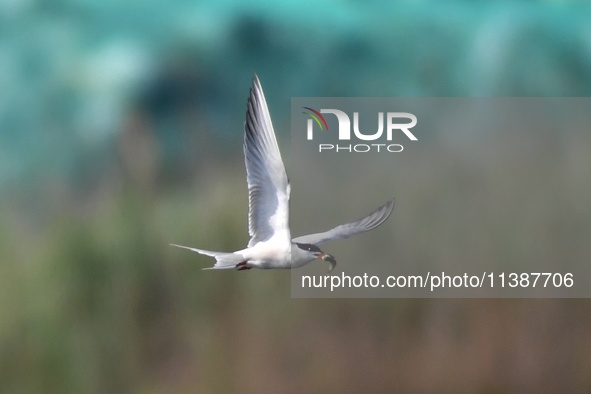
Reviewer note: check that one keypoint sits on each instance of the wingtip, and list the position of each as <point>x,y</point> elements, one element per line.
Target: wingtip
<point>386,210</point>
<point>256,82</point>
<point>391,204</point>
<point>256,90</point>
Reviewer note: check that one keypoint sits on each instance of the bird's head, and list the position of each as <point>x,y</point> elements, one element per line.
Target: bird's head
<point>314,252</point>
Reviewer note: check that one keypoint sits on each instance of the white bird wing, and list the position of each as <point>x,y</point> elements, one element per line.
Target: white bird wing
<point>347,230</point>
<point>268,186</point>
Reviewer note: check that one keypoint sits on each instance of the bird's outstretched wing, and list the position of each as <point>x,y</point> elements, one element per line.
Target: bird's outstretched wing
<point>268,187</point>
<point>347,230</point>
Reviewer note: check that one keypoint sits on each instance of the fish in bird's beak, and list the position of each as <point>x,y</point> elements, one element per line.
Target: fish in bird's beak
<point>331,260</point>
<point>327,257</point>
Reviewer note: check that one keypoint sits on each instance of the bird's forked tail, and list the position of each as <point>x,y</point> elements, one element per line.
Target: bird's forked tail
<point>223,260</point>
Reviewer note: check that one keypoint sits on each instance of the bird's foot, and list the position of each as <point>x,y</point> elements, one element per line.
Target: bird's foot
<point>242,266</point>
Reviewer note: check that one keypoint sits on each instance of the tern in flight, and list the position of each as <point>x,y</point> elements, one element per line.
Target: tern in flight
<point>271,245</point>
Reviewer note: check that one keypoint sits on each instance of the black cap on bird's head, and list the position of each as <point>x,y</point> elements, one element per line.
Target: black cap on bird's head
<point>319,254</point>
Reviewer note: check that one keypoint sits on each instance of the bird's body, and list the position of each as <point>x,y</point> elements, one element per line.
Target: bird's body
<point>271,245</point>
<point>264,255</point>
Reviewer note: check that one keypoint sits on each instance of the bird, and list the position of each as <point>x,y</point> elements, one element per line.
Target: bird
<point>271,245</point>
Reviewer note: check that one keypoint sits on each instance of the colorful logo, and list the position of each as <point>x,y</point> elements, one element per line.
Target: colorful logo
<point>317,116</point>
<point>389,126</point>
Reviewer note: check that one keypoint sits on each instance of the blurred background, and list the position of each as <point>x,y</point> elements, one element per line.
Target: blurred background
<point>121,132</point>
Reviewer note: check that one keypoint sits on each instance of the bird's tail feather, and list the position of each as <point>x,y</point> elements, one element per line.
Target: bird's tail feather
<point>223,260</point>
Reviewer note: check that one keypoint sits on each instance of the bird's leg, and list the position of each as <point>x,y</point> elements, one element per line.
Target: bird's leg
<point>242,266</point>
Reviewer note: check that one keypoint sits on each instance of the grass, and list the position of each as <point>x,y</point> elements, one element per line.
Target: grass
<point>94,299</point>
